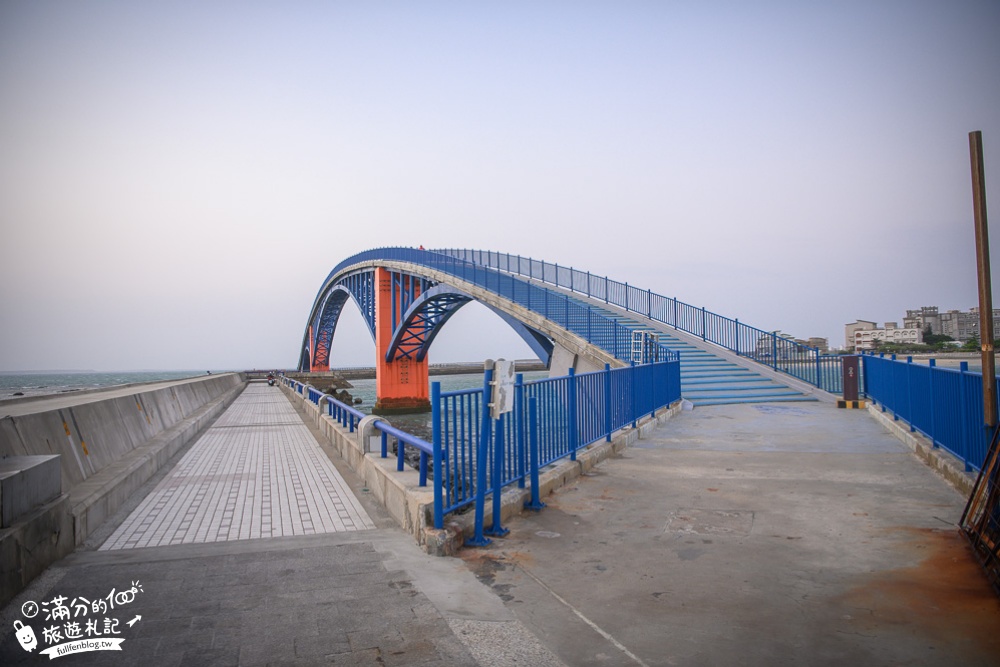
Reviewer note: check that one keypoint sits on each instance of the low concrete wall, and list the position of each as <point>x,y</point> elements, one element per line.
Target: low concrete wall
<point>939,460</point>
<point>109,444</point>
<point>412,506</point>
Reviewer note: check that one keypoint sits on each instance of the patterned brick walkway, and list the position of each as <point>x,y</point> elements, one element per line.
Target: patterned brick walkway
<point>257,472</point>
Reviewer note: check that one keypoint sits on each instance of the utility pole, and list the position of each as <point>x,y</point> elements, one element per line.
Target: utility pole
<point>985,291</point>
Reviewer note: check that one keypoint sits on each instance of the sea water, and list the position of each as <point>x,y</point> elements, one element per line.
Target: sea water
<point>15,385</point>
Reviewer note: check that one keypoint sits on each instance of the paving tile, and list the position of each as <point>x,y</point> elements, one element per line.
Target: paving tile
<point>257,472</point>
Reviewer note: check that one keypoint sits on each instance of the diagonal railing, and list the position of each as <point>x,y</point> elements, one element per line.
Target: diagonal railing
<point>607,333</point>
<point>781,354</point>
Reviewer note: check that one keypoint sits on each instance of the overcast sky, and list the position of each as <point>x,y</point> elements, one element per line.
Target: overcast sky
<point>177,179</point>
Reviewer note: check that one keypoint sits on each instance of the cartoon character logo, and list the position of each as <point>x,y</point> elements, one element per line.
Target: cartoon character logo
<point>26,636</point>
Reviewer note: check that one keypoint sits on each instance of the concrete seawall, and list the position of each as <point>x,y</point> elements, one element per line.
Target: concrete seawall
<point>108,442</point>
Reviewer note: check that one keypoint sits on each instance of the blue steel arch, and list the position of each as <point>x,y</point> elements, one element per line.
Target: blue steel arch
<point>358,285</point>
<point>427,315</point>
<point>558,310</point>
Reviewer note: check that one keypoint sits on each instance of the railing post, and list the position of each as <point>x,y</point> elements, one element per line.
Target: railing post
<point>634,406</point>
<point>606,290</point>
<point>963,368</point>
<point>496,529</point>
<point>535,504</point>
<point>608,423</point>
<point>703,323</point>
<point>557,275</point>
<point>909,393</point>
<point>438,458</point>
<point>519,425</point>
<point>774,351</point>
<point>479,539</point>
<point>676,326</point>
<point>892,383</point>
<point>571,413</point>
<point>649,303</point>
<point>626,296</point>
<point>736,327</point>
<point>819,382</point>
<point>588,284</point>
<point>932,364</point>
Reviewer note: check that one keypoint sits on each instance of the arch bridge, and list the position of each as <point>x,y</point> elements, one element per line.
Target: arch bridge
<point>569,319</point>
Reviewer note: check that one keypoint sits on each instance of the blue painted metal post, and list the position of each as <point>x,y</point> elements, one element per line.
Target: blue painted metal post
<point>626,296</point>
<point>496,529</point>
<point>892,383</point>
<point>571,414</point>
<point>774,351</point>
<point>963,368</point>
<point>818,381</point>
<point>535,504</point>
<point>675,313</point>
<point>909,393</point>
<point>634,408</point>
<point>588,284</point>
<point>605,289</point>
<point>607,401</point>
<point>703,322</point>
<point>439,472</point>
<point>649,303</point>
<point>519,425</point>
<point>479,539</point>
<point>933,364</point>
<point>385,445</point>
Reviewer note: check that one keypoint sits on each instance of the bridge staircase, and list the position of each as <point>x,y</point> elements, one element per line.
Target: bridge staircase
<point>708,377</point>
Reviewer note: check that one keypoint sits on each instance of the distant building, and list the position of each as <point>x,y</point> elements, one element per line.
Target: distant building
<point>960,325</point>
<point>867,339</point>
<point>850,329</point>
<point>765,346</point>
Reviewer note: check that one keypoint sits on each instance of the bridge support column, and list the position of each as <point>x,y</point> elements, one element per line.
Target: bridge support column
<point>401,385</point>
<point>563,360</point>
<point>313,366</point>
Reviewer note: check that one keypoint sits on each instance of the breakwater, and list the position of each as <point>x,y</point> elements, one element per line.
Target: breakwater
<point>83,454</point>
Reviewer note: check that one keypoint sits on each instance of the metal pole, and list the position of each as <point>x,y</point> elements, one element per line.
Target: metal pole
<point>985,291</point>
<point>479,539</point>
<point>535,504</point>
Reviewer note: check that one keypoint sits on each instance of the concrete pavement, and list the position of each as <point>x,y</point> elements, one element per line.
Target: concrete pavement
<point>250,548</point>
<point>734,535</point>
<point>751,535</point>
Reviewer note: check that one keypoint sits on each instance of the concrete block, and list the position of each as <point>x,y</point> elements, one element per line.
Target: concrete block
<point>25,483</point>
<point>37,540</point>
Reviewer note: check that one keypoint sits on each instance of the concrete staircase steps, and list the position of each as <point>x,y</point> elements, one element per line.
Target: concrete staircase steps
<point>706,378</point>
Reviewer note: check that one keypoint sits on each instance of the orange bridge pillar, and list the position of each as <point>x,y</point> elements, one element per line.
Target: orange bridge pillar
<point>313,366</point>
<point>401,385</point>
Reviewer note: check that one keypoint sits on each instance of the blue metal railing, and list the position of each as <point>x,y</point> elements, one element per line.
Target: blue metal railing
<point>476,455</point>
<point>781,354</point>
<point>570,314</point>
<point>944,404</point>
<point>552,418</point>
<point>349,417</point>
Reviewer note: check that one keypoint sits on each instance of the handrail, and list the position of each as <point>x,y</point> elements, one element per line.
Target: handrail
<point>764,347</point>
<point>606,333</point>
<point>945,404</point>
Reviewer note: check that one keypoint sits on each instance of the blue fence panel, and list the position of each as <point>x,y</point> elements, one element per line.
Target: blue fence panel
<point>944,404</point>
<point>782,354</point>
<point>572,412</point>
